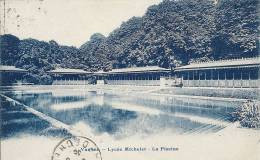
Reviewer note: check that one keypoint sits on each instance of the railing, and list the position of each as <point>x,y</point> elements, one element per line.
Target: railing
<point>172,82</point>
<point>222,83</point>
<point>134,82</point>
<point>70,82</point>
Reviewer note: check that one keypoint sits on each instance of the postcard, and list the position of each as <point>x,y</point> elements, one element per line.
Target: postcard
<point>129,80</point>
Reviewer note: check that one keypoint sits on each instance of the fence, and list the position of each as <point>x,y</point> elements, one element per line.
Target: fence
<point>222,83</point>
<point>134,82</point>
<point>70,82</point>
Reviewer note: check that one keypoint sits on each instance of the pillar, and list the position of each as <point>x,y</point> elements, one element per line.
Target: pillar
<point>241,79</point>
<point>218,78</point>
<point>233,79</point>
<point>211,74</point>
<point>249,79</point>
<point>199,78</point>
<point>188,78</point>
<point>211,78</point>
<point>225,78</point>
<point>193,77</point>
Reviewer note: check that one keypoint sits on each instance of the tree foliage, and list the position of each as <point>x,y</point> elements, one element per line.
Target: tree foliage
<point>237,29</point>
<point>169,34</point>
<point>182,31</point>
<point>37,57</point>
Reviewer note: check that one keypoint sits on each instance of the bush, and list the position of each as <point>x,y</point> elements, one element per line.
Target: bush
<point>248,114</point>
<point>31,78</point>
<point>46,79</point>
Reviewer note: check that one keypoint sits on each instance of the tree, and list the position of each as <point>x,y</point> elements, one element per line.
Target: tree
<point>237,29</point>
<point>8,49</point>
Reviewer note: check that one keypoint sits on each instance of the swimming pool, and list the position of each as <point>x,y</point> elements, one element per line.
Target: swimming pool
<point>124,114</point>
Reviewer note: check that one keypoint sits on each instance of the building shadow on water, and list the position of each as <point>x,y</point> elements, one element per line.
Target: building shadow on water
<point>16,121</point>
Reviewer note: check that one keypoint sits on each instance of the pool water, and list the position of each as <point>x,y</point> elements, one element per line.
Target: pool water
<point>121,115</point>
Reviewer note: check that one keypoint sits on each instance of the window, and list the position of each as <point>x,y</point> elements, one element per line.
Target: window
<point>229,74</point>
<point>245,74</point>
<point>215,74</point>
<point>237,74</point>
<point>202,75</point>
<point>185,75</point>
<point>254,73</point>
<point>208,74</point>
<point>221,74</point>
<point>190,75</point>
<point>196,75</point>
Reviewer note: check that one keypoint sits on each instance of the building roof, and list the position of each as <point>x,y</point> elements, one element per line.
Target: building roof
<point>68,71</point>
<point>134,70</point>
<point>5,68</point>
<point>233,63</point>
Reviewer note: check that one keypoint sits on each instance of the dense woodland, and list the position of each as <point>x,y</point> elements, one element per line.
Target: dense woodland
<point>169,34</point>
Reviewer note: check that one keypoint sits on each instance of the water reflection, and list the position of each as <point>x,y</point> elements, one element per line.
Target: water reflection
<point>127,115</point>
<point>16,121</point>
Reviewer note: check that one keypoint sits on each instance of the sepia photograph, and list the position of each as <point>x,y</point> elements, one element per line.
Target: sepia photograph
<point>129,79</point>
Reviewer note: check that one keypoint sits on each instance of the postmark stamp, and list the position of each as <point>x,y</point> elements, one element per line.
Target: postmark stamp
<point>76,148</point>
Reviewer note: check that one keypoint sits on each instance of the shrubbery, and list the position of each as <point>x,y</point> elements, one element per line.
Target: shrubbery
<point>248,114</point>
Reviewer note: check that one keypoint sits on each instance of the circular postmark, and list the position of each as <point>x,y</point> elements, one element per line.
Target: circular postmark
<point>76,148</point>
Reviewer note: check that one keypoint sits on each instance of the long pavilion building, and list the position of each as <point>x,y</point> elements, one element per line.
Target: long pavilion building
<point>66,76</point>
<point>236,73</point>
<point>140,76</point>
<point>10,75</point>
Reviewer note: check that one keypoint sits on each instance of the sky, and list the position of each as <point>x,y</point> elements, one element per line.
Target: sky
<point>68,22</point>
